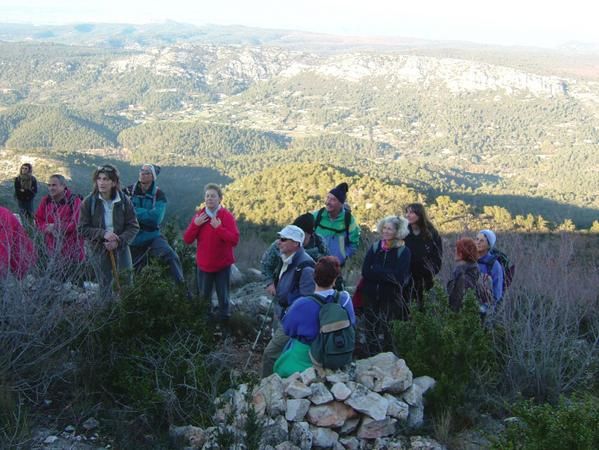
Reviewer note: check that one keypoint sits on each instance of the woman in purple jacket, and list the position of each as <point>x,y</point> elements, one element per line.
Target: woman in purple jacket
<point>301,322</point>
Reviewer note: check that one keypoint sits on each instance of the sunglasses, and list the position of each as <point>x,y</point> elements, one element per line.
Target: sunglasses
<point>282,239</point>
<point>145,172</point>
<point>106,169</point>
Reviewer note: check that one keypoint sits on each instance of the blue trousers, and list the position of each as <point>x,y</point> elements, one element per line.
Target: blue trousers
<point>207,281</point>
<point>159,248</point>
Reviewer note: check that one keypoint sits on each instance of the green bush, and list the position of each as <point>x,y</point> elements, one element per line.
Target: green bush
<point>157,354</point>
<point>572,424</point>
<point>453,348</point>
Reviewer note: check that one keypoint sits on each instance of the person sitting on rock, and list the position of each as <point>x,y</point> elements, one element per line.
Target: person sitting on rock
<point>314,245</point>
<point>293,279</point>
<point>301,322</point>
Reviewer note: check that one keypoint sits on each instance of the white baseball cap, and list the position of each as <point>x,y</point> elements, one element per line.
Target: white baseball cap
<point>293,233</point>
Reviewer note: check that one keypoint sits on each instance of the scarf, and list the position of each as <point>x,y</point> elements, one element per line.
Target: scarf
<point>26,181</point>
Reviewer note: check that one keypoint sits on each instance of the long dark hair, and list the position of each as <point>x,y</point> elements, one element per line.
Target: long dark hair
<point>112,173</point>
<point>424,224</point>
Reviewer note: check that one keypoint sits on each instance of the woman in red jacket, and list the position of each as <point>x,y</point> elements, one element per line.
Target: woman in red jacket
<point>215,231</point>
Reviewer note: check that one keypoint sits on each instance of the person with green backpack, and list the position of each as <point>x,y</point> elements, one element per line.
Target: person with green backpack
<point>321,326</point>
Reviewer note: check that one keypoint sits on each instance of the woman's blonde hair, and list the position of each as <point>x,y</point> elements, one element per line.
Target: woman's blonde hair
<point>399,223</point>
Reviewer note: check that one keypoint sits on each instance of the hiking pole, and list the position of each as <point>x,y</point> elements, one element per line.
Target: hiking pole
<point>115,274</point>
<point>253,347</point>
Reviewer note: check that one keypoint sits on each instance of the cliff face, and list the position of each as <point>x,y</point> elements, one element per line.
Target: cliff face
<point>214,65</point>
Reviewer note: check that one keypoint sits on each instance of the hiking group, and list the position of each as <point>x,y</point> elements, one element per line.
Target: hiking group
<point>117,230</point>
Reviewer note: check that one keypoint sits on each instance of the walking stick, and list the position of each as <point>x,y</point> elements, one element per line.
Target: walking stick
<point>115,274</point>
<point>259,334</point>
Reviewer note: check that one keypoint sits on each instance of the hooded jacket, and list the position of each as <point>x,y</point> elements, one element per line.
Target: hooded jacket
<point>464,277</point>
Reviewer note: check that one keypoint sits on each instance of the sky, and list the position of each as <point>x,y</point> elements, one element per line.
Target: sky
<point>546,23</point>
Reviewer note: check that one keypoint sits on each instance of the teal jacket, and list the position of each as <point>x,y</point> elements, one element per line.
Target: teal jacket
<point>150,208</point>
<point>341,243</point>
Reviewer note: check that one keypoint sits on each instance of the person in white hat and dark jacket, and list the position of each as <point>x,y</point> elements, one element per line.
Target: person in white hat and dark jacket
<point>294,278</point>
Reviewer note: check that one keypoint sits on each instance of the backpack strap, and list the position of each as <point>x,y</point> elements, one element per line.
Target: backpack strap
<point>297,274</point>
<point>318,218</point>
<point>321,300</point>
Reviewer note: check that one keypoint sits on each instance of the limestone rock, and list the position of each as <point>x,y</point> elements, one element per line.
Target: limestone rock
<point>268,396</point>
<point>389,444</point>
<point>90,424</point>
<point>296,409</point>
<point>350,443</point>
<point>367,402</point>
<point>323,437</point>
<point>330,415</point>
<point>338,377</point>
<point>309,376</point>
<point>397,408</point>
<point>340,391</point>
<point>320,394</point>
<point>187,436</point>
<point>297,389</point>
<point>372,429</point>
<point>286,446</point>
<point>301,435</point>
<point>424,383</point>
<point>384,372</point>
<point>274,432</point>
<point>425,443</point>
<point>349,426</point>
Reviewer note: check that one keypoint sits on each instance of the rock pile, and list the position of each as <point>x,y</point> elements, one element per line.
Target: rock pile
<point>367,406</point>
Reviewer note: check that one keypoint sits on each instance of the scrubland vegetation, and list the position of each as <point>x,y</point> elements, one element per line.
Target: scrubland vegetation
<point>150,359</point>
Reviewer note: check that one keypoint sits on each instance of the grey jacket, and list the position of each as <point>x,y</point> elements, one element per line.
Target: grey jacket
<point>91,223</point>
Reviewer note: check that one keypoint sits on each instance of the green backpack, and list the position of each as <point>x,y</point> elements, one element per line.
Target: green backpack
<point>334,346</point>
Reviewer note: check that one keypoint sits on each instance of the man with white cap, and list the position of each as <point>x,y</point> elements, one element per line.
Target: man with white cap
<point>150,206</point>
<point>293,278</point>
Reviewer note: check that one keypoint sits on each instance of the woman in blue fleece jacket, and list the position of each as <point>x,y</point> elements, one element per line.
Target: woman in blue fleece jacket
<point>301,322</point>
<point>487,262</point>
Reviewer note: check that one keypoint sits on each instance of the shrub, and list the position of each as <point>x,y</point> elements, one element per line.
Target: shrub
<point>451,347</point>
<point>572,424</point>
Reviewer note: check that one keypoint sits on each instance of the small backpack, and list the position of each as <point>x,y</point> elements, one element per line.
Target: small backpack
<point>509,269</point>
<point>484,289</point>
<point>334,346</point>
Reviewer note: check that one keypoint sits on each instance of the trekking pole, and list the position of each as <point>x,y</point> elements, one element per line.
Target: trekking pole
<point>115,274</point>
<point>253,347</point>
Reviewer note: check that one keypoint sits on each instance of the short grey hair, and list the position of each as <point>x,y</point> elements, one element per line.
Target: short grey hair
<point>399,223</point>
<point>61,179</point>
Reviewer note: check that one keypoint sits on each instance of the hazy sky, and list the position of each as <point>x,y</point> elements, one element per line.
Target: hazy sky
<point>509,22</point>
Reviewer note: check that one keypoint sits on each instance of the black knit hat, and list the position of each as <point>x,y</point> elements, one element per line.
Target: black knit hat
<point>340,191</point>
<point>305,222</point>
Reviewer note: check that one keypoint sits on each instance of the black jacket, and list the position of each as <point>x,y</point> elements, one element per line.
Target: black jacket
<point>28,194</point>
<point>426,256</point>
<point>385,274</point>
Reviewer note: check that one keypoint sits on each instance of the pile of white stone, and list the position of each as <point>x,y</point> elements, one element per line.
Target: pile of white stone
<point>370,405</point>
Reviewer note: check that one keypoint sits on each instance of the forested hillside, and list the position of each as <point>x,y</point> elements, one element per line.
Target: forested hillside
<point>465,123</point>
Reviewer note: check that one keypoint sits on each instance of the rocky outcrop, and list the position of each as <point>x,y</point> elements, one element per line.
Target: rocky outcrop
<point>365,407</point>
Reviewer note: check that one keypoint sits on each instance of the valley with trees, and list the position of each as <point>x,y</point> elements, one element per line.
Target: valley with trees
<point>486,137</point>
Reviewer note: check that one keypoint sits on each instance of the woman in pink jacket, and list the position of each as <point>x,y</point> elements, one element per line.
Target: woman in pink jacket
<point>16,249</point>
<point>215,231</point>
